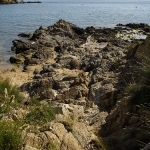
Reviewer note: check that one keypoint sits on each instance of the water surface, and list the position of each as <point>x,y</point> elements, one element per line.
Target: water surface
<point>18,18</point>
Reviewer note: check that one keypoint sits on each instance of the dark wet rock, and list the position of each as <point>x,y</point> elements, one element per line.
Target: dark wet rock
<point>37,76</point>
<point>16,59</point>
<point>13,48</point>
<point>90,30</point>
<point>75,64</point>
<point>47,68</point>
<point>27,35</point>
<point>58,49</point>
<point>32,61</point>
<point>42,55</point>
<point>8,1</point>
<point>33,2</point>
<point>20,46</point>
<point>64,28</point>
<point>136,25</point>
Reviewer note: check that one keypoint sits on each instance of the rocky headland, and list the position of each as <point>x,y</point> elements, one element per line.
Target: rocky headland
<point>93,77</point>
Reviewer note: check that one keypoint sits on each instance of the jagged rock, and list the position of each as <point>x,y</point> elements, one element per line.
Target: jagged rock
<point>32,61</point>
<point>68,61</point>
<point>28,35</point>
<point>70,143</point>
<point>27,147</point>
<point>16,59</point>
<point>57,134</point>
<point>8,1</point>
<point>70,111</point>
<point>81,68</point>
<point>74,93</point>
<point>102,94</point>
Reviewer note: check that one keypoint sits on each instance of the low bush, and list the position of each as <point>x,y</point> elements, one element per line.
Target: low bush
<point>50,146</point>
<point>40,115</point>
<point>10,136</point>
<point>5,85</point>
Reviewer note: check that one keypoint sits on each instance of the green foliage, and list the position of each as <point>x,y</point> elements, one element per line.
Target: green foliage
<point>40,115</point>
<point>35,102</point>
<point>102,143</point>
<point>132,88</point>
<point>141,42</point>
<point>115,65</point>
<point>5,108</point>
<point>51,146</point>
<point>11,90</point>
<point>10,136</point>
<point>140,89</point>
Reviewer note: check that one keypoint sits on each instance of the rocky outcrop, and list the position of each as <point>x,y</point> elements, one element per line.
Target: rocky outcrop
<point>8,1</point>
<point>66,132</point>
<point>16,2</point>
<point>86,70</point>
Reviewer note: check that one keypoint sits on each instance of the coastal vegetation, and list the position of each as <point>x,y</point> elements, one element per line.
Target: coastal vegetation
<point>40,115</point>
<point>11,125</point>
<point>10,136</point>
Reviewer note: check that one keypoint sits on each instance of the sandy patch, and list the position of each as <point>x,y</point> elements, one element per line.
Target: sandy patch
<point>17,76</point>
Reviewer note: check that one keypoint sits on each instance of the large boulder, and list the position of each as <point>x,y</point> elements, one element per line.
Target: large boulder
<point>56,135</point>
<point>102,94</point>
<point>16,59</point>
<point>70,111</point>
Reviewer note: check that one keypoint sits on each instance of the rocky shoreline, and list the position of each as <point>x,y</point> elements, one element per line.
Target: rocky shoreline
<point>87,68</point>
<point>17,2</point>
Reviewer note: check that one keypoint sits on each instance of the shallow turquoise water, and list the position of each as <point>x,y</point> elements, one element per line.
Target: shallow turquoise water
<point>18,18</point>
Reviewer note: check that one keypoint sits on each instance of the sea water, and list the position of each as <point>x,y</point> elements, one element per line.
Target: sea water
<point>18,18</point>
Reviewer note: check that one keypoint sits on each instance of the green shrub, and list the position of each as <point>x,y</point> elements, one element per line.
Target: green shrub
<point>116,64</point>
<point>50,146</point>
<point>10,136</point>
<point>40,115</point>
<point>132,88</point>
<point>34,102</point>
<point>4,108</point>
<point>12,90</point>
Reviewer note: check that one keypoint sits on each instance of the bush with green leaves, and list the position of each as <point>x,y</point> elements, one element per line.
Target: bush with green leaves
<point>40,115</point>
<point>51,146</point>
<point>11,90</point>
<point>10,136</point>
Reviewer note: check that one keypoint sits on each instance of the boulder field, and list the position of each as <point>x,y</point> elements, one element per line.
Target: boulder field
<point>84,73</point>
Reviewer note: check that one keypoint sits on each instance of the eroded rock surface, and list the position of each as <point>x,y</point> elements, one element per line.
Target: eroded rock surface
<point>86,70</point>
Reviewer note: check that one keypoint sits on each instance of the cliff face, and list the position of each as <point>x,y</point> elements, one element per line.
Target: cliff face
<point>8,1</point>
